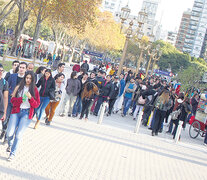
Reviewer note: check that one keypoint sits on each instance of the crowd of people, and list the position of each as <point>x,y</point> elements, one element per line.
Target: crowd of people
<point>25,94</point>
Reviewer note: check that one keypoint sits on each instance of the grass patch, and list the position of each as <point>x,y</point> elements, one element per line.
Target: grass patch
<point>7,65</point>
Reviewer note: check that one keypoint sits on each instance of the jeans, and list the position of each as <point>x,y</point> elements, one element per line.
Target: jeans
<point>50,110</point>
<point>127,104</point>
<point>99,102</point>
<point>159,118</point>
<point>77,106</point>
<point>153,119</point>
<point>85,107</point>
<point>44,101</point>
<point>111,105</point>
<point>17,125</point>
<point>139,108</point>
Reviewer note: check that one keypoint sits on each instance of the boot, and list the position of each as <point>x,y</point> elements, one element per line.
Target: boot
<point>36,124</point>
<point>2,135</point>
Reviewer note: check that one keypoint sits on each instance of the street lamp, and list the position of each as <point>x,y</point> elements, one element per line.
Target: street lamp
<point>125,11</point>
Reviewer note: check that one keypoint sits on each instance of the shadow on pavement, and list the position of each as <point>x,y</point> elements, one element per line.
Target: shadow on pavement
<point>130,145</point>
<point>20,174</point>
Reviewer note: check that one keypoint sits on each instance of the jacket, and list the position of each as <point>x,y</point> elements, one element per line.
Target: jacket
<point>122,87</point>
<point>12,82</point>
<point>100,81</point>
<point>194,104</point>
<point>73,86</point>
<point>34,103</point>
<point>115,90</point>
<point>106,89</point>
<point>46,86</point>
<point>163,107</point>
<point>85,66</point>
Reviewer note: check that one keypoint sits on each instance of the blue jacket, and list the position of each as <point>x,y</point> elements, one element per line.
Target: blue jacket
<point>122,87</point>
<point>12,81</point>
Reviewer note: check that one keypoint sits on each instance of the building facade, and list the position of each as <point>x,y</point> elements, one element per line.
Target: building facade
<point>195,38</point>
<point>112,6</point>
<point>183,30</point>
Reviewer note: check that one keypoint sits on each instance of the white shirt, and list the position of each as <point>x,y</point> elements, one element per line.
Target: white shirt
<point>25,102</point>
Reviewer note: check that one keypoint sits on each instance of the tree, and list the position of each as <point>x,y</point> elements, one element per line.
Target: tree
<point>7,9</point>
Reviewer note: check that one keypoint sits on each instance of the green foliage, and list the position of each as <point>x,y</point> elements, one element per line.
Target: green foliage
<point>192,76</point>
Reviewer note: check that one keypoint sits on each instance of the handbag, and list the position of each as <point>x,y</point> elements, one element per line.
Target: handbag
<point>141,100</point>
<point>175,114</point>
<point>52,95</point>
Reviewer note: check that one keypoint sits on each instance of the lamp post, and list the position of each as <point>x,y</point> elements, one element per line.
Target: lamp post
<point>125,11</point>
<point>142,17</point>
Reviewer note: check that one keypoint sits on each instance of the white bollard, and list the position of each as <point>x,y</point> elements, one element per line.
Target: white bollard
<point>102,113</point>
<point>178,131</point>
<point>139,118</point>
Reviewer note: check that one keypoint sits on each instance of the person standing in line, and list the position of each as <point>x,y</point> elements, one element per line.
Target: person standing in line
<point>162,104</point>
<point>116,89</point>
<point>4,93</point>
<point>47,91</point>
<point>30,67</point>
<point>13,81</point>
<point>119,100</point>
<point>73,87</point>
<point>15,64</point>
<point>51,107</point>
<point>129,93</point>
<point>77,106</point>
<point>89,90</point>
<point>25,99</point>
<point>85,66</point>
<point>106,92</point>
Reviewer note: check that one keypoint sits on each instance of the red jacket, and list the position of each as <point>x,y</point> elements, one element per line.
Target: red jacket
<point>34,103</point>
<point>76,68</point>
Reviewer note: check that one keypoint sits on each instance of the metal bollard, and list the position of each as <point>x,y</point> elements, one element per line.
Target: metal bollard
<point>102,113</point>
<point>178,131</point>
<point>139,118</point>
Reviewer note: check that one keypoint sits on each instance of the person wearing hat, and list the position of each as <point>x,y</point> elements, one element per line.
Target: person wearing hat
<point>115,90</point>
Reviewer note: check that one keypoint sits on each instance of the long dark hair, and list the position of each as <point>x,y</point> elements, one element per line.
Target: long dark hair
<point>23,83</point>
<point>40,69</point>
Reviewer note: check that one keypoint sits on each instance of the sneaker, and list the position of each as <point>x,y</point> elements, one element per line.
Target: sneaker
<point>69,115</point>
<point>134,119</point>
<point>8,149</point>
<point>62,115</point>
<point>10,158</point>
<point>123,115</point>
<point>48,123</point>
<point>2,135</point>
<point>204,144</point>
<point>95,114</point>
<point>46,120</point>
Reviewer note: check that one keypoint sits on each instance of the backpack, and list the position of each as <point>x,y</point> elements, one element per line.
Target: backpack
<point>175,114</point>
<point>2,99</point>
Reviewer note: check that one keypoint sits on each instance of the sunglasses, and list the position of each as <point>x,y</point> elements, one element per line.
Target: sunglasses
<point>1,71</point>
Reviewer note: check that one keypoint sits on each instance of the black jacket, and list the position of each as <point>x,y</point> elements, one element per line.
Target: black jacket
<point>115,90</point>
<point>46,86</point>
<point>106,90</point>
<point>85,66</point>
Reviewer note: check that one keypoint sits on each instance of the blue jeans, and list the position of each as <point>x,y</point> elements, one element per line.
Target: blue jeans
<point>99,102</point>
<point>44,101</point>
<point>127,104</point>
<point>77,106</point>
<point>17,125</point>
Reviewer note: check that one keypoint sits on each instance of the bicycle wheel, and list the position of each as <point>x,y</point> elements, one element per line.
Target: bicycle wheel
<point>194,130</point>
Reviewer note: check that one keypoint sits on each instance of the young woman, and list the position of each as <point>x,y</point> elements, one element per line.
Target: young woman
<point>47,93</point>
<point>51,107</point>
<point>162,104</point>
<point>40,72</point>
<point>25,99</point>
<point>88,92</point>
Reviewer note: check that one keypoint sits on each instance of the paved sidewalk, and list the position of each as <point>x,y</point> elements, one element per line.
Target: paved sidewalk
<point>74,149</point>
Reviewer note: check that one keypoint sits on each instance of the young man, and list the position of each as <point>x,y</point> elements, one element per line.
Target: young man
<point>106,92</point>
<point>129,93</point>
<point>15,64</point>
<point>85,66</point>
<point>3,95</point>
<point>30,67</point>
<point>61,68</point>
<point>13,81</point>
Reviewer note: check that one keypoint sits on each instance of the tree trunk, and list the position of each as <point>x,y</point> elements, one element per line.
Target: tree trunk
<point>8,12</point>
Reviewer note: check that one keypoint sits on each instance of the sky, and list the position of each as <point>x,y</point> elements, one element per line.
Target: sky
<point>170,10</point>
